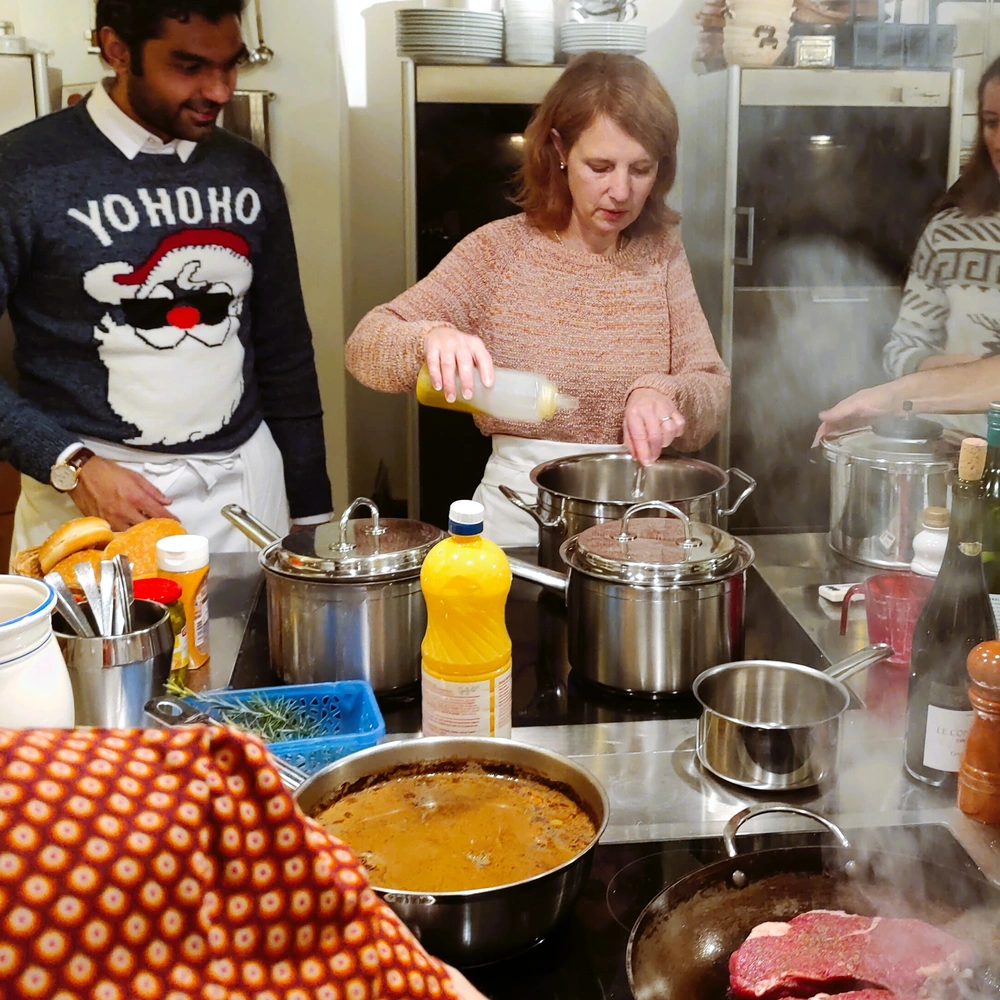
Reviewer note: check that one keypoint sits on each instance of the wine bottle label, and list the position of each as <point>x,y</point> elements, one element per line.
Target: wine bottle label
<point>995,604</point>
<point>947,732</point>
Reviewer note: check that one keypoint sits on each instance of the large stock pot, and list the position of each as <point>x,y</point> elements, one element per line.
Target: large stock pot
<point>579,491</point>
<point>343,598</point>
<point>652,602</point>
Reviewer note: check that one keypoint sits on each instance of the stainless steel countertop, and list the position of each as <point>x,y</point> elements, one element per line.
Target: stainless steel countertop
<point>656,786</point>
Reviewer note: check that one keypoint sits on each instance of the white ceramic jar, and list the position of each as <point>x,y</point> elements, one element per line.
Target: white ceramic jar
<point>930,542</point>
<point>35,690</point>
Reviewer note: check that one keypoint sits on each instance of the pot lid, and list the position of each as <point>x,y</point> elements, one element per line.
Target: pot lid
<point>360,549</point>
<point>867,445</point>
<point>655,550</point>
<point>907,427</point>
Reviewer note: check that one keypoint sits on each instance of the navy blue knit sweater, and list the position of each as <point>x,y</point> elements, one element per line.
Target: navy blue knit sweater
<point>154,302</point>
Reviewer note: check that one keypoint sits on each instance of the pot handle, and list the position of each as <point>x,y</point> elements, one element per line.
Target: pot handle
<point>751,485</point>
<point>255,530</point>
<point>533,509</point>
<point>858,661</point>
<point>745,815</point>
<point>624,538</point>
<point>550,579</point>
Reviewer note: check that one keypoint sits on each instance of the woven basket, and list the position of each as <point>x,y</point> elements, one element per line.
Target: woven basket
<point>26,563</point>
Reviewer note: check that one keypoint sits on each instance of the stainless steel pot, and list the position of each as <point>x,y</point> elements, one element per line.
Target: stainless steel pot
<point>344,599</point>
<point>481,925</point>
<point>774,725</point>
<point>652,603</point>
<point>879,487</point>
<point>577,492</point>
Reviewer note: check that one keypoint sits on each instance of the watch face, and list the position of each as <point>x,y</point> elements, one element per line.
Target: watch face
<point>63,477</point>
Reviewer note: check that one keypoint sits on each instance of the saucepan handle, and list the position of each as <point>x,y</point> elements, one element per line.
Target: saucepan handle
<point>533,509</point>
<point>255,530</point>
<point>547,578</point>
<point>751,485</point>
<point>858,661</point>
<point>745,815</point>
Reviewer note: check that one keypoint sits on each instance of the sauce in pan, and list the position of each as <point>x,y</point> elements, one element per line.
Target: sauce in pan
<point>449,831</point>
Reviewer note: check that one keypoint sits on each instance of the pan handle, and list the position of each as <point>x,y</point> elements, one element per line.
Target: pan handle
<point>255,530</point>
<point>751,485</point>
<point>745,815</point>
<point>858,661</point>
<point>534,509</point>
<point>547,578</point>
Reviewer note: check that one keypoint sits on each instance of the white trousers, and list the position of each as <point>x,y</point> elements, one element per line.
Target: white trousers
<point>199,486</point>
<point>510,465</point>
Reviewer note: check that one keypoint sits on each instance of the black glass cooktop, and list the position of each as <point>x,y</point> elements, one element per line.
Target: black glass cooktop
<point>546,691</point>
<point>584,959</point>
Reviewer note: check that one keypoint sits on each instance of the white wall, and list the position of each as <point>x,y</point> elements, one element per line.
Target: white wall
<point>309,143</point>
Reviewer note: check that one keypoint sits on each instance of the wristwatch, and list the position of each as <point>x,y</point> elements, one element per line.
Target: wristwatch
<point>66,474</point>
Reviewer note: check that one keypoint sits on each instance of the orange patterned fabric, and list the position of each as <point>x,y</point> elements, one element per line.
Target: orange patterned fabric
<point>174,865</point>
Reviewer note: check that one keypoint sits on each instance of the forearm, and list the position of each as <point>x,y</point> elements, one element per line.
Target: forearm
<point>962,388</point>
<point>385,351</point>
<point>29,439</point>
<point>303,453</point>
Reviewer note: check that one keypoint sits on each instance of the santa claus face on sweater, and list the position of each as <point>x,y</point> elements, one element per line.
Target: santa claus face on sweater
<point>171,340</point>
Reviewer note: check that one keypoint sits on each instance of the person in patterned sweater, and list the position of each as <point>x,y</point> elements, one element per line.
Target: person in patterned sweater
<point>944,353</point>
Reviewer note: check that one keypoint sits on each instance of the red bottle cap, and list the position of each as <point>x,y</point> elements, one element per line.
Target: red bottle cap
<point>157,589</point>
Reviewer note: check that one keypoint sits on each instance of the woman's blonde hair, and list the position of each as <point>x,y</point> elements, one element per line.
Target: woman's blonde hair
<point>598,84</point>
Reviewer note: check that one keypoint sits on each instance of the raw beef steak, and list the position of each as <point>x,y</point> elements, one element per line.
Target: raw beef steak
<point>827,951</point>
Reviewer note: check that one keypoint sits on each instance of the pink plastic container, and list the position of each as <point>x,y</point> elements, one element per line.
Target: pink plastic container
<point>893,602</point>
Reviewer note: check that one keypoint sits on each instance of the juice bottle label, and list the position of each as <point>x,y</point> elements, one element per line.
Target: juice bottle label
<point>467,708</point>
<point>995,604</point>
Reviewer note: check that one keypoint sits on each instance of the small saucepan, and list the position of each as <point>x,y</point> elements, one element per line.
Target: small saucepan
<point>771,725</point>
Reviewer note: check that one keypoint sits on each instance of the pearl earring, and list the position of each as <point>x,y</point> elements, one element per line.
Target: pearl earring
<point>562,166</point>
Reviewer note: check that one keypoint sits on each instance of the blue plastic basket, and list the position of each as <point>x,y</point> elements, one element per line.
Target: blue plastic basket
<point>347,711</point>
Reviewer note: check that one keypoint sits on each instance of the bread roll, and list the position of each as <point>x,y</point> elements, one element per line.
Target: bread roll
<point>67,567</point>
<point>74,536</point>
<point>138,543</point>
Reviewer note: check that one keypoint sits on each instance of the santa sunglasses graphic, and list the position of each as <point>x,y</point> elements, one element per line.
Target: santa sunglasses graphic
<point>171,341</point>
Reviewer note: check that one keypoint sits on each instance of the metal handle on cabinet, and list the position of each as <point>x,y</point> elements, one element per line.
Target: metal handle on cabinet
<point>746,261</point>
<point>832,300</point>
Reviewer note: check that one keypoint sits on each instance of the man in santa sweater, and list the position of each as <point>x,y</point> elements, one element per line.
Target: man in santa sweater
<point>165,362</point>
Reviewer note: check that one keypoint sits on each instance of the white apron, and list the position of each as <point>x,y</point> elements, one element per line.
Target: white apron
<point>510,465</point>
<point>199,485</point>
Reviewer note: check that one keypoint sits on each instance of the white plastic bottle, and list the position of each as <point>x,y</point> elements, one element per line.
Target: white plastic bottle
<point>523,396</point>
<point>931,541</point>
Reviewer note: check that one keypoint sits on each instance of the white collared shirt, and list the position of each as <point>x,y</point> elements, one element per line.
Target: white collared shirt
<point>126,133</point>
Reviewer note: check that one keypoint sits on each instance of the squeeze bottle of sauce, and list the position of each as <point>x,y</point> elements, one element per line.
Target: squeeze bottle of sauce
<point>184,559</point>
<point>466,651</point>
<point>522,396</point>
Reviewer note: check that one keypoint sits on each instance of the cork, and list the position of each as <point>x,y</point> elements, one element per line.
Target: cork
<point>972,459</point>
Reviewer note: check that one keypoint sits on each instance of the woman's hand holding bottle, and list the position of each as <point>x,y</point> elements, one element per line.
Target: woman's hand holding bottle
<point>452,357</point>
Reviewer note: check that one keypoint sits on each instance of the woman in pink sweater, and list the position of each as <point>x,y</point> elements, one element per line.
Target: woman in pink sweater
<point>589,286</point>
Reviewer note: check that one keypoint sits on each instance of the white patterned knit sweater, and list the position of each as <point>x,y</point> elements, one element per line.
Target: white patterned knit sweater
<point>951,303</point>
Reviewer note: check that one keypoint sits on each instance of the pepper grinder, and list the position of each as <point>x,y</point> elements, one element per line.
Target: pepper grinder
<point>979,773</point>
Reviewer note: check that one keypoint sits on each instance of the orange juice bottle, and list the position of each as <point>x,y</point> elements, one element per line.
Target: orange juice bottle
<point>466,652</point>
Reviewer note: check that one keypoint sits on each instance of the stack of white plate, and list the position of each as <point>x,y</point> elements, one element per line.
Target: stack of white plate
<point>756,32</point>
<point>530,32</point>
<point>453,36</point>
<point>602,36</point>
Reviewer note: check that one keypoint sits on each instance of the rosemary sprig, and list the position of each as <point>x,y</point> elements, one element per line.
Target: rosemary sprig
<point>272,719</point>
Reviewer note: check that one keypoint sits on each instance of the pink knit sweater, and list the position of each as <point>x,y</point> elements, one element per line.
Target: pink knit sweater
<point>598,327</point>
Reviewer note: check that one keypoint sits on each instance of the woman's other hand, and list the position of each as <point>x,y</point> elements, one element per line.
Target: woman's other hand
<point>878,401</point>
<point>652,422</point>
<point>466,991</point>
<point>452,356</point>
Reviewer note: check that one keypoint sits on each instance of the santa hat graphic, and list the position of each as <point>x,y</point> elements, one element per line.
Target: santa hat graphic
<point>194,259</point>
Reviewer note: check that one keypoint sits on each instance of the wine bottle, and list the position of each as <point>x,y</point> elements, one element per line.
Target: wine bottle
<point>991,511</point>
<point>956,617</point>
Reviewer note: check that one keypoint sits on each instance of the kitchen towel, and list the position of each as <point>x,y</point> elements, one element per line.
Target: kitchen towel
<point>175,865</point>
